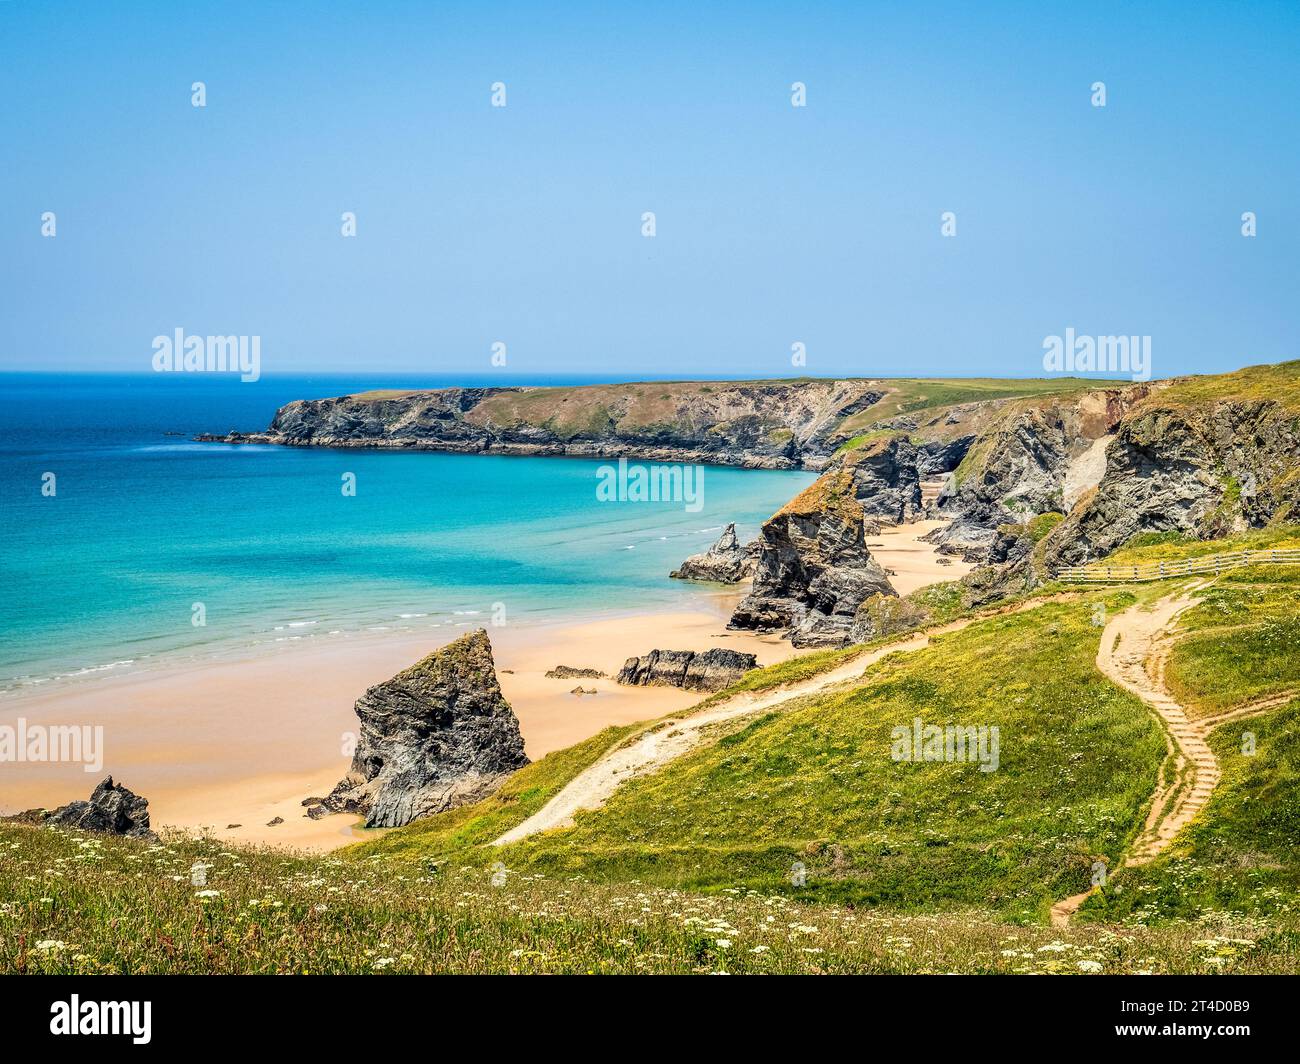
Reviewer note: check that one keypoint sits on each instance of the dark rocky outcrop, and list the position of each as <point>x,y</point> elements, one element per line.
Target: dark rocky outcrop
<point>568,672</point>
<point>726,562</point>
<point>435,736</point>
<point>711,670</point>
<point>814,569</point>
<point>112,810</point>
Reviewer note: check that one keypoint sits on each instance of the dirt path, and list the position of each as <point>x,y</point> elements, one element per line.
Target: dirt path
<point>1251,709</point>
<point>591,788</point>
<point>1133,653</point>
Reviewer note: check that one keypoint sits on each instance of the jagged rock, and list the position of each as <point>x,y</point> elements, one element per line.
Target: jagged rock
<point>317,811</point>
<point>710,671</point>
<point>814,568</point>
<point>112,810</point>
<point>231,827</point>
<point>584,691</point>
<point>568,672</point>
<point>275,822</point>
<point>726,562</point>
<point>435,736</point>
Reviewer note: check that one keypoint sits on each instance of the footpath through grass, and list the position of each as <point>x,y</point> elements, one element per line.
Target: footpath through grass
<point>819,785</point>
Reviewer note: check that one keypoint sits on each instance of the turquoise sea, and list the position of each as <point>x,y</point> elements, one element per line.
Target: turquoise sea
<point>104,575</point>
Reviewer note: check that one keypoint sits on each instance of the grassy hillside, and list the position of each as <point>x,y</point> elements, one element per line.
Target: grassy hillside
<point>911,396</point>
<point>910,866</point>
<point>1244,644</point>
<point>71,904</point>
<point>817,784</point>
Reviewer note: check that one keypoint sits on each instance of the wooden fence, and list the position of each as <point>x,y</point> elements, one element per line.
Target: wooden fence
<point>1101,573</point>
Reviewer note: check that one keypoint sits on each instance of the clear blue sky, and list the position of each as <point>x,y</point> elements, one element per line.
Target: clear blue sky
<point>775,224</point>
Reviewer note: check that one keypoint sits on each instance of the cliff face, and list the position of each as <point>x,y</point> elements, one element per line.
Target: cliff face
<point>1206,469</point>
<point>763,424</point>
<point>1037,456</point>
<point>435,736</point>
<point>1200,456</point>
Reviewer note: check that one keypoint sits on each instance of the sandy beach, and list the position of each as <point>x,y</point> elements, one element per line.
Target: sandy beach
<point>241,742</point>
<point>910,563</point>
<point>228,746</point>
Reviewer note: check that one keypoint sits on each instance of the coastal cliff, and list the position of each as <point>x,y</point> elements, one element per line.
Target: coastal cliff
<point>780,424</point>
<point>1027,485</point>
<point>1028,475</point>
<point>797,423</point>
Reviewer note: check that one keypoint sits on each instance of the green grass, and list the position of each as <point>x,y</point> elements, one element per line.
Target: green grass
<point>1278,383</point>
<point>1173,546</point>
<point>1253,650</point>
<point>911,395</point>
<point>817,785</point>
<point>72,904</point>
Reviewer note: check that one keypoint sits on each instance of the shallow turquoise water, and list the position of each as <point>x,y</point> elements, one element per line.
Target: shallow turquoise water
<point>105,574</point>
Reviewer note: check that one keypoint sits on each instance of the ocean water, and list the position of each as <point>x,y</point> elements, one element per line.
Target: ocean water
<point>104,575</point>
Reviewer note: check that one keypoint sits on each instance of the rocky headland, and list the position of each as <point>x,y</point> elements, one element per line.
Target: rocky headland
<point>776,424</point>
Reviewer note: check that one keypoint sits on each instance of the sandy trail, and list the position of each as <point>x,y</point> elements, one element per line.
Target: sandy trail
<point>591,788</point>
<point>1133,652</point>
<point>1132,655</point>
